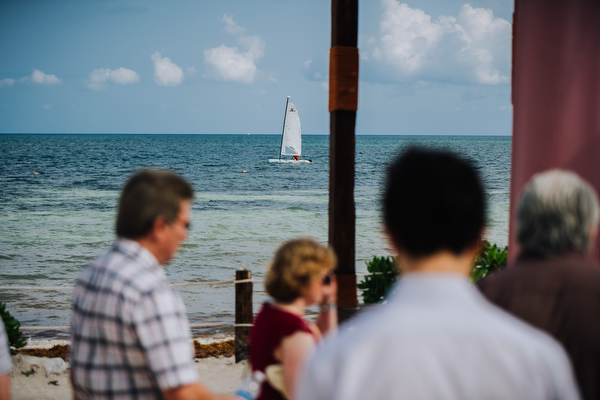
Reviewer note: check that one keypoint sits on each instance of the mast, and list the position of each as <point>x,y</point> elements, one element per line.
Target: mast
<point>283,128</point>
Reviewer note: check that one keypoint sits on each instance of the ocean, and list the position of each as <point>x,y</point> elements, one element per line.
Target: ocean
<point>58,196</point>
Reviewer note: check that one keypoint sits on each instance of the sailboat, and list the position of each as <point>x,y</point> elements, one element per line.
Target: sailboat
<point>290,150</point>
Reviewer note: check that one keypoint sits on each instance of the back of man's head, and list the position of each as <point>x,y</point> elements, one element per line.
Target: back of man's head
<point>433,201</point>
<point>556,213</point>
<point>148,194</point>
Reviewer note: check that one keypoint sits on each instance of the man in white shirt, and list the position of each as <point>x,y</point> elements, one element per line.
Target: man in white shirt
<point>436,337</point>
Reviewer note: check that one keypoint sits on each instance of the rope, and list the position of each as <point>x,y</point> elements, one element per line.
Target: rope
<point>51,288</point>
<point>206,325</point>
<point>212,283</point>
<point>173,285</point>
<point>37,288</point>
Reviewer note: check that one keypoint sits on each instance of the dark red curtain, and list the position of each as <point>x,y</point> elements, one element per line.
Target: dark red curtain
<point>555,93</point>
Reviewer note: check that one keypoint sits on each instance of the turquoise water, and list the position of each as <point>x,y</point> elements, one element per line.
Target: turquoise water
<point>54,222</point>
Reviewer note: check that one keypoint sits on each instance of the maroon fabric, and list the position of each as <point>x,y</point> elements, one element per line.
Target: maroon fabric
<point>271,326</point>
<point>556,94</point>
<point>561,296</point>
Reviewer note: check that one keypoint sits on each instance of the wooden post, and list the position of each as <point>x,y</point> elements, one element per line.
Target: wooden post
<point>243,313</point>
<point>343,95</point>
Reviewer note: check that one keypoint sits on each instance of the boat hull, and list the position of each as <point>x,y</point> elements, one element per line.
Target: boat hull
<point>277,160</point>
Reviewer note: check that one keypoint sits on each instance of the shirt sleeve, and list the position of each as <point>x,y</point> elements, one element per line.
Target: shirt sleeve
<point>163,329</point>
<point>5,362</point>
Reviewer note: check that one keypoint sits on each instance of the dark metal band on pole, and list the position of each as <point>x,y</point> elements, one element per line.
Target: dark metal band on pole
<point>243,314</point>
<point>343,84</point>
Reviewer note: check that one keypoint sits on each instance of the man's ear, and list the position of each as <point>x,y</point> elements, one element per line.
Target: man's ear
<point>401,257</point>
<point>474,249</point>
<point>158,227</point>
<point>391,242</point>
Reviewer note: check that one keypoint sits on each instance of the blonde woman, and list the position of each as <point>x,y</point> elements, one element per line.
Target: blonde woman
<point>300,275</point>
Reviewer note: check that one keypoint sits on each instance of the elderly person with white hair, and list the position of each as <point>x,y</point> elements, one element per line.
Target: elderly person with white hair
<point>554,284</point>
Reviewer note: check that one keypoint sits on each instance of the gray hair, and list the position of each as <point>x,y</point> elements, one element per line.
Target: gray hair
<point>556,211</point>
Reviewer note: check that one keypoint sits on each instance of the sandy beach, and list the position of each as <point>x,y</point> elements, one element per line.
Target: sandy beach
<point>32,377</point>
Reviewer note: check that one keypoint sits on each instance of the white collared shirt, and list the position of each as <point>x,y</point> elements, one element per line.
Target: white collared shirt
<point>438,338</point>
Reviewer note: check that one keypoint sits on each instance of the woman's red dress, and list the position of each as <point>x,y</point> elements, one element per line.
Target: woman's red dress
<point>271,326</point>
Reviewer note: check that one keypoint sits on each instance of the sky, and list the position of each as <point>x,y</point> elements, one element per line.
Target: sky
<point>427,67</point>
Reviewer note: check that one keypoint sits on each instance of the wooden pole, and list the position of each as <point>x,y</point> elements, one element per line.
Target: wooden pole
<point>343,84</point>
<point>243,313</point>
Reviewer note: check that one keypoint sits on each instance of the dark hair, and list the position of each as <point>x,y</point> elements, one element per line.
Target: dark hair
<point>295,264</point>
<point>148,194</point>
<point>433,201</point>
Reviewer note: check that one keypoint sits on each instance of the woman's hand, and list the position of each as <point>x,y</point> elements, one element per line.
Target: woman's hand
<point>327,320</point>
<point>329,292</point>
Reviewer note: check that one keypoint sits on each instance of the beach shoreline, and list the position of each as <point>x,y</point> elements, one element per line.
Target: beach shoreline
<point>35,377</point>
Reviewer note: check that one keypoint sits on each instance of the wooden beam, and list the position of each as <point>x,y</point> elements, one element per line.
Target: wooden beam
<point>342,214</point>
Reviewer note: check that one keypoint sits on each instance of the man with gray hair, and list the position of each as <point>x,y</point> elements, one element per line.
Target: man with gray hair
<point>130,336</point>
<point>554,284</point>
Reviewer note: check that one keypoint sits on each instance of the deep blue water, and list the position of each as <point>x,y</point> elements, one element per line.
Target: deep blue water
<point>52,223</point>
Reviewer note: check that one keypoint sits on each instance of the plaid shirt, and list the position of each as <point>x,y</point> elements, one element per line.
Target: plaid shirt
<point>5,362</point>
<point>130,337</point>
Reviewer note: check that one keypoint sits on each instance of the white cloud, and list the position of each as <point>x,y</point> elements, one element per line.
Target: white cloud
<point>166,72</point>
<point>473,47</point>
<point>44,79</point>
<point>122,76</point>
<point>307,63</point>
<point>229,63</point>
<point>231,26</point>
<point>7,82</point>
<point>47,106</point>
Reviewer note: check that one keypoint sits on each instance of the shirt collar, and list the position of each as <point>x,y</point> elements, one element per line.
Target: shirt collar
<point>438,288</point>
<point>135,250</point>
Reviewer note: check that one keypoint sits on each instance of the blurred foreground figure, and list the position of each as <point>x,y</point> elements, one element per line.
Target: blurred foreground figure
<point>5,364</point>
<point>130,336</point>
<point>554,285</point>
<point>437,337</point>
<point>281,339</point>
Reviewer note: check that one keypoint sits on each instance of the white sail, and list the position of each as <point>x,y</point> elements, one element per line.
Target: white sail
<point>291,144</point>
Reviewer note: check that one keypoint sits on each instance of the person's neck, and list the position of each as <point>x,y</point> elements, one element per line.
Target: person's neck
<point>443,262</point>
<point>297,307</point>
<point>151,246</point>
